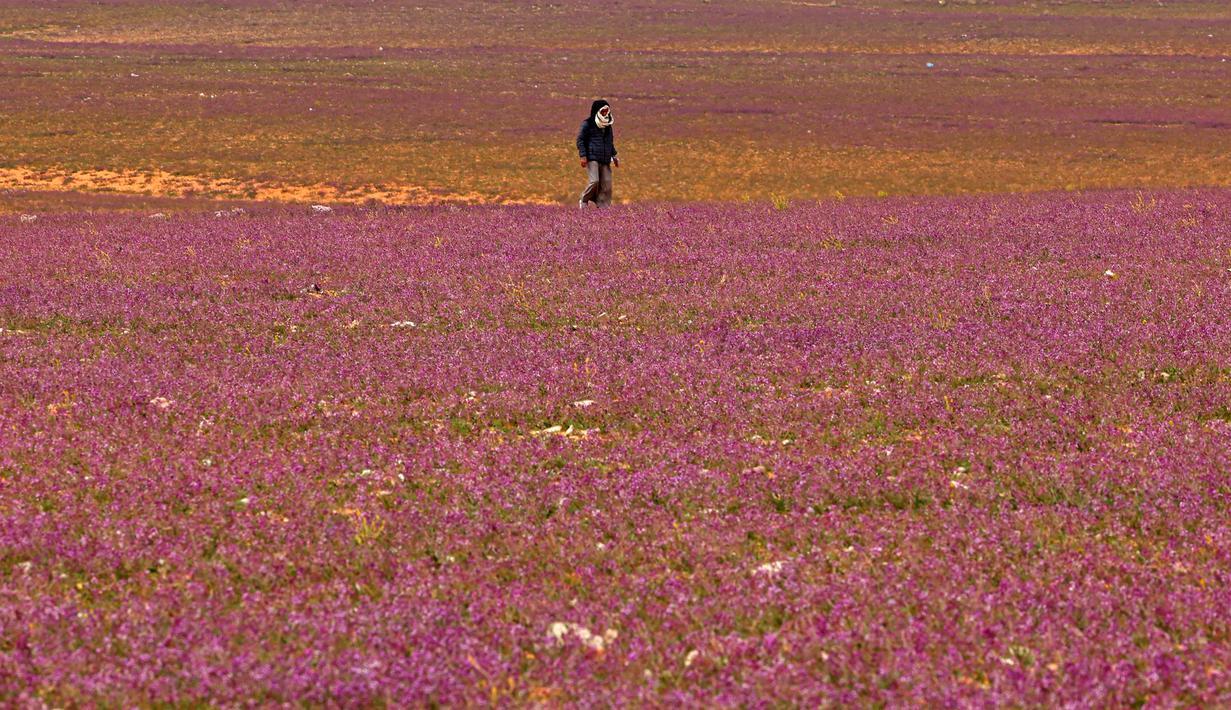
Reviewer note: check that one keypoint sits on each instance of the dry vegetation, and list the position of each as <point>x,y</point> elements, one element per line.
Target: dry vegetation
<point>721,100</point>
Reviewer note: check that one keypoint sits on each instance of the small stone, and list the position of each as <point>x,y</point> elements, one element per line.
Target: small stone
<point>770,568</point>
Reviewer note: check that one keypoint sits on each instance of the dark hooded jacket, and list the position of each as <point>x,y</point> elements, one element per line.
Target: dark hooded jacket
<point>594,143</point>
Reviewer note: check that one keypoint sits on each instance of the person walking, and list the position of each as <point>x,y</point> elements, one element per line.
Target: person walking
<point>596,148</point>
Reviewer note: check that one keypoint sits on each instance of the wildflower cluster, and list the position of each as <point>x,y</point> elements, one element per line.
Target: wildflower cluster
<point>931,452</point>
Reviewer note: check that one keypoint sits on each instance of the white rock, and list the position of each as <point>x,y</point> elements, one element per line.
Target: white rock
<point>560,630</point>
<point>770,568</point>
<point>322,209</point>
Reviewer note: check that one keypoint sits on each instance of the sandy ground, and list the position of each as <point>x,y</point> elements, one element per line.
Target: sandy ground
<point>164,184</point>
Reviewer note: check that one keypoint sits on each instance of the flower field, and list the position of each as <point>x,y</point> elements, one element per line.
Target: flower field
<point>949,451</point>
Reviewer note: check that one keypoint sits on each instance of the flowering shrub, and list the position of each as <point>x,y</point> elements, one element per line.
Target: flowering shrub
<point>912,452</point>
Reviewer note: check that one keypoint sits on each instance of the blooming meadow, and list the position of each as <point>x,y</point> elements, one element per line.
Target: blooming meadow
<point>945,451</point>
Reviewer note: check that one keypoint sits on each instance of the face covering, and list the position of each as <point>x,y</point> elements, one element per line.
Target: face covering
<point>603,121</point>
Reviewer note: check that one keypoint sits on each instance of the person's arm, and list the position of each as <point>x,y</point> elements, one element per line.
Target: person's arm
<point>614,160</point>
<point>582,136</point>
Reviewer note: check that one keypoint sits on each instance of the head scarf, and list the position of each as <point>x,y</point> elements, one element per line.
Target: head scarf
<point>600,121</point>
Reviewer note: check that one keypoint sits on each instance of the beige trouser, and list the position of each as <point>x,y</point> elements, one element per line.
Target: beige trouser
<point>598,190</point>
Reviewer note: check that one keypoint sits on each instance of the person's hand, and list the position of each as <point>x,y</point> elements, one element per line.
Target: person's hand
<point>584,162</point>
<point>615,161</point>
